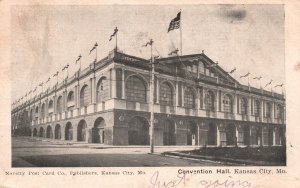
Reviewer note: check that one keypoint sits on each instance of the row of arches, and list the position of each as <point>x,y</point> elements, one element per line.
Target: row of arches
<point>69,131</point>
<point>138,133</point>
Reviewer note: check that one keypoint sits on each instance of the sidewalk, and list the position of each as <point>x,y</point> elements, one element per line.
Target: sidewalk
<point>242,162</point>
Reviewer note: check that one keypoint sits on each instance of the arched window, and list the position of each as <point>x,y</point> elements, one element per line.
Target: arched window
<point>244,104</point>
<point>50,105</point>
<point>165,94</point>
<point>268,109</point>
<point>209,101</point>
<point>136,89</point>
<point>36,110</point>
<point>59,105</point>
<point>189,98</point>
<point>84,96</point>
<point>71,96</point>
<point>102,90</point>
<point>228,103</point>
<point>31,111</point>
<point>256,107</point>
<point>279,110</point>
<point>43,110</point>
<point>201,67</point>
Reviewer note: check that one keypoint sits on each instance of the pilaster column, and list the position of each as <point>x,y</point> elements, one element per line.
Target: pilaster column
<point>62,133</point>
<point>198,137</point>
<point>218,136</point>
<point>272,112</point>
<point>274,136</point>
<point>123,83</point>
<point>262,109</point>
<point>113,83</point>
<point>249,104</point>
<point>235,103</point>
<point>236,136</point>
<point>176,93</point>
<point>93,88</point>
<point>198,101</point>
<point>157,90</point>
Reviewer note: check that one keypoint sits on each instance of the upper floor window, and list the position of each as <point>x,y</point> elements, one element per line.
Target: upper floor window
<point>84,96</point>
<point>268,109</point>
<point>165,94</point>
<point>71,96</point>
<point>228,103</point>
<point>50,104</point>
<point>201,67</point>
<point>194,68</point>
<point>244,105</point>
<point>279,111</point>
<point>136,89</point>
<point>256,108</point>
<point>36,110</point>
<point>189,98</point>
<point>59,105</point>
<point>43,110</point>
<point>102,90</point>
<point>209,100</point>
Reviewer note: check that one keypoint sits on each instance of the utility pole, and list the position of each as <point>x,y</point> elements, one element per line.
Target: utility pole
<point>152,101</point>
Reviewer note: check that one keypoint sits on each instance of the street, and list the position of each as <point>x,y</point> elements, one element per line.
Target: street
<point>44,153</point>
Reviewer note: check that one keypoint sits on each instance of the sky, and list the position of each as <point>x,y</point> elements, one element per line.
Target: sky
<point>46,38</point>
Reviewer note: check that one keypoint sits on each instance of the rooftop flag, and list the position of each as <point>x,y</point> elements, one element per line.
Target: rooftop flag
<point>269,83</point>
<point>48,80</point>
<point>279,85</point>
<point>79,57</point>
<point>148,43</point>
<point>175,22</point>
<point>232,71</point>
<point>257,78</point>
<point>115,32</point>
<point>245,75</point>
<point>56,74</point>
<point>94,47</point>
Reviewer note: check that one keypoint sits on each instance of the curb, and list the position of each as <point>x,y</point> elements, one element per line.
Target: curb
<point>223,159</point>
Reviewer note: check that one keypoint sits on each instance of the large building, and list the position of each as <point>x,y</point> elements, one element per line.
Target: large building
<point>196,102</point>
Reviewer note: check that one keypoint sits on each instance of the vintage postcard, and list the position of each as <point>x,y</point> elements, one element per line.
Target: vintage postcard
<point>157,94</point>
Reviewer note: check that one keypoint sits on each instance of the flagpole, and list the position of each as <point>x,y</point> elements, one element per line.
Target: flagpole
<point>248,82</point>
<point>180,32</point>
<point>116,41</point>
<point>152,101</point>
<point>96,54</point>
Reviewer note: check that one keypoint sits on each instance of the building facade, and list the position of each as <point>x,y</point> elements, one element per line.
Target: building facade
<point>196,102</point>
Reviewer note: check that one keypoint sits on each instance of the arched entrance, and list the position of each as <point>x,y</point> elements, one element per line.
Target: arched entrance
<point>270,135</point>
<point>57,132</point>
<point>69,131</point>
<point>34,132</point>
<point>246,135</point>
<point>41,132</point>
<point>81,130</point>
<point>98,131</point>
<point>192,134</point>
<point>212,134</point>
<point>49,132</point>
<point>230,134</point>
<point>169,133</point>
<point>138,131</point>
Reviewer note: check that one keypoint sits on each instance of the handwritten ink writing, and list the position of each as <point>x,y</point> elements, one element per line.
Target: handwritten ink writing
<point>156,182</point>
<point>225,183</point>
